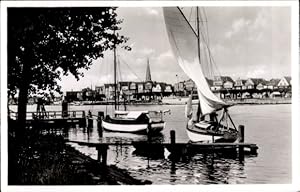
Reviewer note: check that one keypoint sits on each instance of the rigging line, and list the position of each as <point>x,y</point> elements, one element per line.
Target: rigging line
<point>205,38</point>
<point>190,17</point>
<point>130,68</point>
<point>213,63</point>
<point>211,57</point>
<point>208,41</point>
<point>119,80</point>
<point>205,65</point>
<point>119,69</point>
<point>207,46</point>
<point>208,56</point>
<point>187,21</point>
<point>193,30</point>
<point>106,70</point>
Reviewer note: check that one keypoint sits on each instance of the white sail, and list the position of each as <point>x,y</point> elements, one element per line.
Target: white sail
<point>183,41</point>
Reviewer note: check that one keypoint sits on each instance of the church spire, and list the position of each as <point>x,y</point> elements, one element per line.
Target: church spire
<point>148,73</point>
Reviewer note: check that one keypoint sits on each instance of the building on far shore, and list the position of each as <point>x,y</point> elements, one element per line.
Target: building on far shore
<point>223,86</point>
<point>226,88</point>
<point>147,90</point>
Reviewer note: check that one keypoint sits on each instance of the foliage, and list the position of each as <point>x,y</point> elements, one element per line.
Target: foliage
<point>45,43</point>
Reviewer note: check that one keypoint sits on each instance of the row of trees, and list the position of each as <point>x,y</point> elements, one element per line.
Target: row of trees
<point>46,43</point>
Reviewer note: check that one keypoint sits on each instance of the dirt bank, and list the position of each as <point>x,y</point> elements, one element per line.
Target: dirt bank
<point>47,160</point>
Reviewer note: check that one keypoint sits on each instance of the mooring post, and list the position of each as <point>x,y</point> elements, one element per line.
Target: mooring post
<point>242,133</point>
<point>173,137</point>
<point>102,153</point>
<point>149,134</point>
<point>64,108</point>
<point>172,147</point>
<point>98,154</point>
<point>241,140</point>
<point>253,149</point>
<point>173,151</point>
<point>83,120</point>
<point>99,123</point>
<point>90,120</point>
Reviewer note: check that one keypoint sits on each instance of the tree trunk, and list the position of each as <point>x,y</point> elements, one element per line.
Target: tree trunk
<point>22,109</point>
<point>23,96</point>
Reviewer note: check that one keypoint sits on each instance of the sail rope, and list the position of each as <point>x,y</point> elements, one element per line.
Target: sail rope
<point>214,67</point>
<point>105,69</point>
<point>208,66</point>
<point>210,69</point>
<point>130,69</point>
<point>206,23</point>
<point>191,13</point>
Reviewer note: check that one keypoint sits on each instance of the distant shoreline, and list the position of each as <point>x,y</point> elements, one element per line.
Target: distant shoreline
<point>235,102</point>
<point>261,101</point>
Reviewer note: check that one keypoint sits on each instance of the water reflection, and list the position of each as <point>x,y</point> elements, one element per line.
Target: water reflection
<point>272,165</point>
<point>156,163</point>
<point>204,169</point>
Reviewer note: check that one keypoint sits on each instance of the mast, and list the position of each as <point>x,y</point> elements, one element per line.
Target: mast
<point>178,28</point>
<point>198,37</point>
<point>199,111</point>
<point>115,75</point>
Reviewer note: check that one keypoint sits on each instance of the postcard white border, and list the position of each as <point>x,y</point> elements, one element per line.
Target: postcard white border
<point>174,188</point>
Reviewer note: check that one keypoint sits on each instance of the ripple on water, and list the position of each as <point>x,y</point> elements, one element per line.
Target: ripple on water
<point>264,125</point>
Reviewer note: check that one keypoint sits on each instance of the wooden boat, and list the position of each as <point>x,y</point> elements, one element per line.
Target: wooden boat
<point>138,122</point>
<point>188,45</point>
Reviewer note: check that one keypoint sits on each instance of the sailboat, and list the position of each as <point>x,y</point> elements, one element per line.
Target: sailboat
<point>138,122</point>
<point>186,47</point>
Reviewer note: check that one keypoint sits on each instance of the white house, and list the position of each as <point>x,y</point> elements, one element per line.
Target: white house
<point>228,85</point>
<point>168,89</point>
<point>285,82</point>
<point>140,87</point>
<point>273,84</point>
<point>156,88</point>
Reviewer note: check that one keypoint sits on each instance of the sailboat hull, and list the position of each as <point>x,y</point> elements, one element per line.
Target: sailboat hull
<point>201,137</point>
<point>126,128</point>
<point>133,127</point>
<point>196,133</point>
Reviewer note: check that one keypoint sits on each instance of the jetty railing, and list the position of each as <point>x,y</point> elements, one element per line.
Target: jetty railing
<point>49,114</point>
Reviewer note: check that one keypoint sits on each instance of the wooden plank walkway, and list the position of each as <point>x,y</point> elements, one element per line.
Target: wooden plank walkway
<point>176,149</point>
<point>63,119</point>
<point>53,119</point>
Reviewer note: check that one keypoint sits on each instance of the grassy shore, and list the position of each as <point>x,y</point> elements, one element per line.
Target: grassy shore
<point>47,160</point>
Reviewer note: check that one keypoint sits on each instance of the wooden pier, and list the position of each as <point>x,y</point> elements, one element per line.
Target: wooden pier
<point>53,119</point>
<point>65,119</point>
<point>178,150</point>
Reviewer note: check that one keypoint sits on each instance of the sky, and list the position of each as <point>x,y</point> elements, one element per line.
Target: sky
<point>245,42</point>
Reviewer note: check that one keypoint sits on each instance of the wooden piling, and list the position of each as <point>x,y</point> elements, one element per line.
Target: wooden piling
<point>99,123</point>
<point>102,154</point>
<point>241,133</point>
<point>90,120</point>
<point>241,140</point>
<point>84,119</point>
<point>173,136</point>
<point>174,152</point>
<point>99,155</point>
<point>253,149</point>
<point>64,108</point>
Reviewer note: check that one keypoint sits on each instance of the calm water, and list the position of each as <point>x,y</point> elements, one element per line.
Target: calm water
<point>269,126</point>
